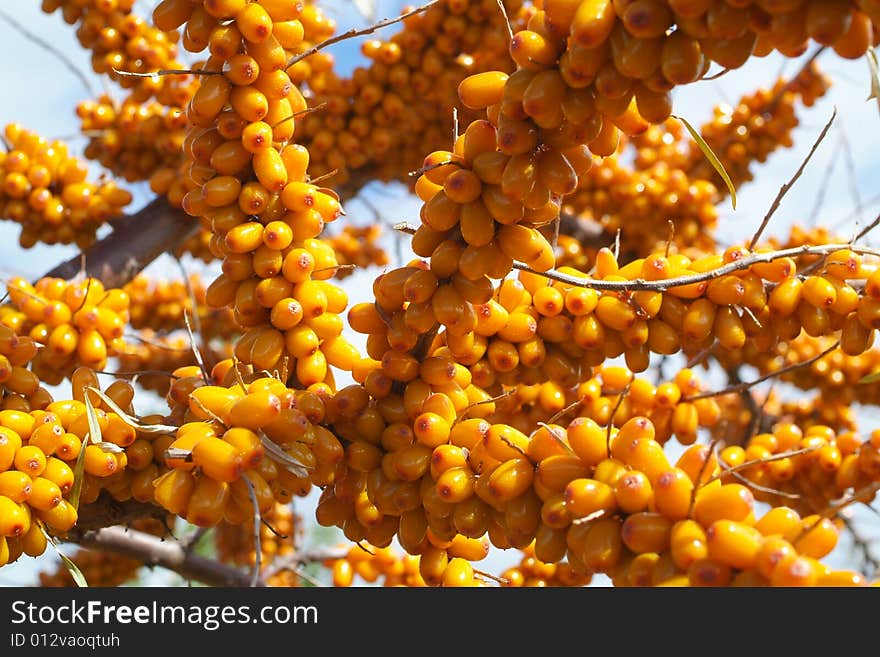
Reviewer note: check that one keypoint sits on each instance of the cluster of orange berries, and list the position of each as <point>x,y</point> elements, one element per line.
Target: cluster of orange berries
<point>75,322</point>
<point>141,136</point>
<point>231,439</point>
<point>160,305</point>
<point>39,449</point>
<point>743,419</point>
<point>670,179</point>
<point>838,375</point>
<point>20,386</point>
<point>279,535</point>
<point>760,123</point>
<point>627,57</point>
<point>371,564</point>
<point>45,189</point>
<point>531,571</point>
<point>119,41</point>
<point>642,199</point>
<point>751,309</point>
<point>613,395</point>
<point>247,184</point>
<point>806,469</point>
<point>133,140</point>
<point>387,114</point>
<point>357,247</point>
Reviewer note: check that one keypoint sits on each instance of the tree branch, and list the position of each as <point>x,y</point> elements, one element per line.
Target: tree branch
<point>740,387</point>
<point>784,189</point>
<point>135,242</point>
<point>352,33</point>
<point>154,551</point>
<point>663,284</point>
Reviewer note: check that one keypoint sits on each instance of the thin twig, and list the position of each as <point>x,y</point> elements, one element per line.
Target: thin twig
<point>715,76</point>
<point>190,542</point>
<point>30,36</point>
<point>867,229</point>
<point>157,345</point>
<point>490,576</point>
<point>852,178</point>
<point>784,189</point>
<point>670,237</point>
<point>299,571</point>
<point>258,550</point>
<point>506,18</point>
<point>823,188</point>
<point>352,33</point>
<point>165,71</point>
<point>623,394</point>
<point>749,384</point>
<point>556,437</point>
<point>191,293</point>
<point>835,508</point>
<point>731,469</point>
<point>700,355</point>
<point>764,489</point>
<point>195,348</point>
<point>431,167</point>
<point>661,285</point>
<point>565,410</point>
<point>296,115</point>
<point>862,544</point>
<point>490,400</point>
<point>128,373</point>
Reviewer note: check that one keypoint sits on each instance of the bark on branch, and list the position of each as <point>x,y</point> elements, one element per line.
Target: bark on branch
<point>154,551</point>
<point>175,556</point>
<point>135,242</point>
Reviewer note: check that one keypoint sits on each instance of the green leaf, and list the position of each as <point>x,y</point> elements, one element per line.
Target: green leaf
<point>79,470</point>
<point>870,378</point>
<point>74,571</point>
<point>713,159</point>
<point>77,575</point>
<point>875,75</point>
<point>94,427</point>
<point>128,419</point>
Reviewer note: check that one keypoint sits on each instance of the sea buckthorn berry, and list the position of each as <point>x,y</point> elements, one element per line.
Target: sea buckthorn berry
<point>818,537</point>
<point>602,545</point>
<point>44,495</point>
<point>15,485</point>
<point>733,543</point>
<point>708,572</point>
<point>455,484</point>
<point>726,502</point>
<point>14,518</point>
<point>585,496</point>
<point>31,460</point>
<point>646,532</point>
<point>633,492</point>
<point>673,490</point>
<point>254,410</point>
<point>482,90</point>
<point>688,543</point>
<point>555,472</point>
<point>592,23</point>
<point>795,571</point>
<point>510,479</point>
